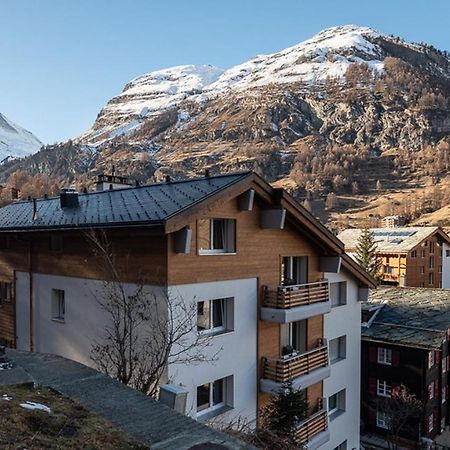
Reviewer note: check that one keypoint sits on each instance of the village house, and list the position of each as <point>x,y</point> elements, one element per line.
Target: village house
<point>274,289</point>
<point>405,340</point>
<point>410,256</point>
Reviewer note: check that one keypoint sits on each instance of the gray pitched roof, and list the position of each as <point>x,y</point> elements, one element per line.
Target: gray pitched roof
<point>389,240</point>
<point>417,317</point>
<point>146,205</point>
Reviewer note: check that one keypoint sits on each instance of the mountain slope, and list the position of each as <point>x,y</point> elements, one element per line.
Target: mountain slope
<point>15,141</point>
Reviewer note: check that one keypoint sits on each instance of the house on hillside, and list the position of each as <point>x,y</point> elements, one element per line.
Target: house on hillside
<point>274,290</point>
<point>405,340</point>
<point>410,256</point>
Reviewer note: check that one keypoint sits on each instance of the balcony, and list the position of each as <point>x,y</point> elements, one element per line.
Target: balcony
<point>285,304</point>
<point>304,369</point>
<point>313,431</point>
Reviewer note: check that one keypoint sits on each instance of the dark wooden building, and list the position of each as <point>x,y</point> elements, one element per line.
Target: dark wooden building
<point>405,334</point>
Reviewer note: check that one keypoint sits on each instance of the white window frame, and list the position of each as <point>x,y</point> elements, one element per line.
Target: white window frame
<point>229,238</point>
<point>341,349</point>
<point>339,288</point>
<point>384,389</point>
<point>58,305</point>
<point>384,356</point>
<point>227,321</point>
<point>383,420</point>
<point>340,398</point>
<point>214,407</point>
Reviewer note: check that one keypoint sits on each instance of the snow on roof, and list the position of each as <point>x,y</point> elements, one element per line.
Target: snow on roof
<point>389,240</point>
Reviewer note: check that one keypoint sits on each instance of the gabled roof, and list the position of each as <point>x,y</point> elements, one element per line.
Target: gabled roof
<point>152,204</point>
<point>169,205</point>
<point>417,317</point>
<point>391,240</point>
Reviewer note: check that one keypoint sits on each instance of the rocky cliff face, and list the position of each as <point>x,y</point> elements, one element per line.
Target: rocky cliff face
<point>335,113</point>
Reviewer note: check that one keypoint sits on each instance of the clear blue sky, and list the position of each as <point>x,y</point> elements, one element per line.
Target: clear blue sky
<point>61,60</point>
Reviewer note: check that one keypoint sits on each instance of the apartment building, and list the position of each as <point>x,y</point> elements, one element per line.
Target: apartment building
<point>274,288</point>
<point>405,340</point>
<point>410,256</point>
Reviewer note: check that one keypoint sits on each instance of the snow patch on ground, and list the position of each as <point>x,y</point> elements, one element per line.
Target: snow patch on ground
<point>6,397</point>
<point>36,407</point>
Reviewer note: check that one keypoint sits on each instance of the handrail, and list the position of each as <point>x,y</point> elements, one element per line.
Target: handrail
<point>299,355</point>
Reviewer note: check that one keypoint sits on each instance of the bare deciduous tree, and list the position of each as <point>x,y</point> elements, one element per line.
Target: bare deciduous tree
<point>145,330</point>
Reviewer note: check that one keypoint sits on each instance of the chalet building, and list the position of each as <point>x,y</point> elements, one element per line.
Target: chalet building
<point>410,256</point>
<point>273,288</point>
<point>405,340</point>
<point>392,221</point>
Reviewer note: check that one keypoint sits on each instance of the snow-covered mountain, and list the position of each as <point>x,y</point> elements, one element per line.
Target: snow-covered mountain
<point>15,141</point>
<point>327,55</point>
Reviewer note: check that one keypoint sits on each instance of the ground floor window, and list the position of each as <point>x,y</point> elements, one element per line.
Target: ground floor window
<point>383,420</point>
<point>214,396</point>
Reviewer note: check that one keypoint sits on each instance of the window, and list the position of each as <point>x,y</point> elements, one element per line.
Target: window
<point>430,359</point>
<point>58,305</point>
<point>338,293</point>
<point>431,247</point>
<point>431,390</point>
<point>430,422</point>
<point>337,349</point>
<point>385,356</point>
<point>414,254</point>
<point>430,278</point>
<point>5,292</point>
<point>388,269</point>
<point>214,396</point>
<point>341,446</point>
<point>216,236</point>
<point>56,243</point>
<point>422,253</point>
<point>336,404</point>
<point>444,394</point>
<point>440,269</point>
<point>422,269</point>
<point>294,270</point>
<point>215,316</point>
<point>431,262</point>
<point>383,420</point>
<point>383,388</point>
<point>447,253</point>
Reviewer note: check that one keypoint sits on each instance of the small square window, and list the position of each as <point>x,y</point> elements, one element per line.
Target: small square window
<point>414,254</point>
<point>214,396</point>
<point>383,420</point>
<point>383,388</point>
<point>56,243</point>
<point>384,356</point>
<point>337,349</point>
<point>58,305</point>
<point>215,236</point>
<point>336,404</point>
<point>338,293</point>
<point>215,316</point>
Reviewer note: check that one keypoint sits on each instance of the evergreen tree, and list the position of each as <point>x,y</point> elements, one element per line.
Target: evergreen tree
<point>366,254</point>
<point>285,410</point>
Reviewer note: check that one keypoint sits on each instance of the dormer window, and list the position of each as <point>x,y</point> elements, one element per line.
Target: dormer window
<point>216,236</point>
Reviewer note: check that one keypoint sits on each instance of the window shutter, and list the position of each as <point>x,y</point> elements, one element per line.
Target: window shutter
<point>436,389</point>
<point>373,354</point>
<point>437,358</point>
<point>372,386</point>
<point>395,358</point>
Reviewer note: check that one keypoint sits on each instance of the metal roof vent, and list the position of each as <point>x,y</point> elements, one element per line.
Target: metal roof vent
<point>68,198</point>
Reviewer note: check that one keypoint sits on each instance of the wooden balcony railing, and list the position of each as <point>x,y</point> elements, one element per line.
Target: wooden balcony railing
<point>316,423</point>
<point>285,297</point>
<point>288,368</point>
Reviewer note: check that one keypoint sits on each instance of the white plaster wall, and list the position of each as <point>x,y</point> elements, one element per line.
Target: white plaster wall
<point>445,266</point>
<point>237,354</point>
<point>345,374</point>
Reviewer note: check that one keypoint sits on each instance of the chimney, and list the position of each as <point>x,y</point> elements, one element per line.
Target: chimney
<point>68,198</point>
<point>35,215</point>
<point>207,174</point>
<point>167,178</point>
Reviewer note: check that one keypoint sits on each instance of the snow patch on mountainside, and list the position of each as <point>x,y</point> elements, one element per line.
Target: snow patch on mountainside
<point>15,141</point>
<point>327,54</point>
